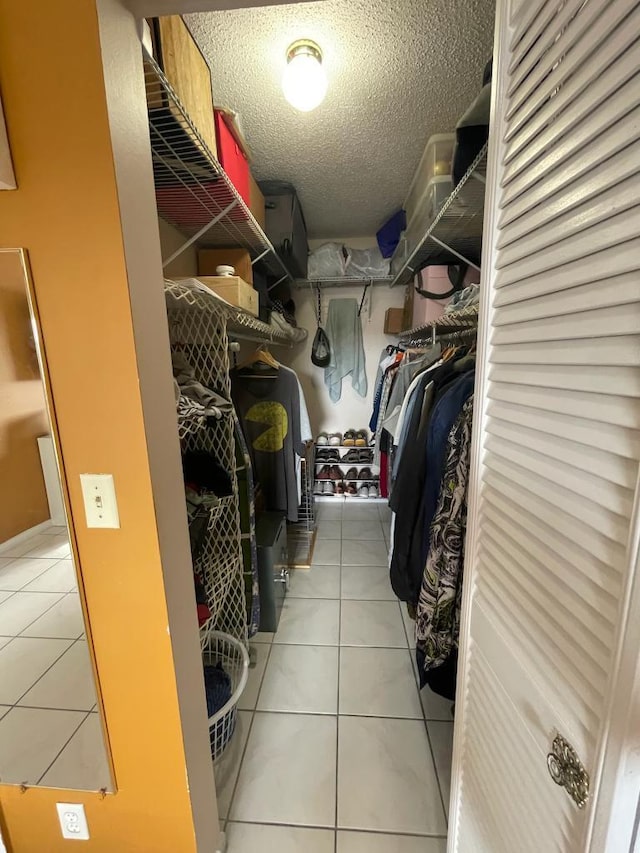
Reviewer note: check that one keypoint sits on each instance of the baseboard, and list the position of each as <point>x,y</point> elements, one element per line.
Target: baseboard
<point>26,534</point>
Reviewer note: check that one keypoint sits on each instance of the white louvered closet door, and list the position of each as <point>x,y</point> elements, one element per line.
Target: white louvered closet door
<point>552,536</point>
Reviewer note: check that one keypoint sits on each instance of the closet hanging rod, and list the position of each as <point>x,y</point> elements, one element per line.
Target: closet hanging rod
<point>446,335</point>
<point>247,336</point>
<point>464,320</point>
<point>341,281</point>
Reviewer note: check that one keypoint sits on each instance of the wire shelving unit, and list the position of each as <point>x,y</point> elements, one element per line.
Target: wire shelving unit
<point>301,535</point>
<point>193,192</point>
<point>198,330</point>
<point>455,234</point>
<point>193,296</point>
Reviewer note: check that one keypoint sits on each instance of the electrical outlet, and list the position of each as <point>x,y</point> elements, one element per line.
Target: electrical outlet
<point>73,821</point>
<point>100,503</point>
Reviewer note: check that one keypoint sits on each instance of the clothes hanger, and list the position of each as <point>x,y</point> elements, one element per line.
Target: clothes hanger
<point>260,356</point>
<point>364,293</point>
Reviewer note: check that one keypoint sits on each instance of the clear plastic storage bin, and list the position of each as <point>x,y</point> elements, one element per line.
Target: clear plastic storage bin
<point>438,191</point>
<point>435,163</point>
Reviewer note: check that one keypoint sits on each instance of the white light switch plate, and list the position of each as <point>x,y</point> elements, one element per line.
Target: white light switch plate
<point>100,504</point>
<point>73,821</point>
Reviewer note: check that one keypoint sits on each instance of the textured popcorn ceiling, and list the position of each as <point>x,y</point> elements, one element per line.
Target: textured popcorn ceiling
<point>398,73</point>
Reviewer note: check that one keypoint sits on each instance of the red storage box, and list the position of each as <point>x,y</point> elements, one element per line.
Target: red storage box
<point>232,158</point>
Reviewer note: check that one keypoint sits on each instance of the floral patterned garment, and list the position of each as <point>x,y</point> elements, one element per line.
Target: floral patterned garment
<point>438,614</point>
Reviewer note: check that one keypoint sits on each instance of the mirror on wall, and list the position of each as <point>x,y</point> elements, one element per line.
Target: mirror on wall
<point>50,727</point>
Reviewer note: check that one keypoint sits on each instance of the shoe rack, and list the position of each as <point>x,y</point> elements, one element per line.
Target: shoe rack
<point>345,466</point>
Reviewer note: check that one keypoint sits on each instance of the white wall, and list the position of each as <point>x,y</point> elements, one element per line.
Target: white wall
<point>351,411</point>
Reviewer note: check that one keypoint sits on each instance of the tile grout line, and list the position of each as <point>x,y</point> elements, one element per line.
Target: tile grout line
<point>436,772</point>
<point>33,621</point>
<point>426,728</point>
<point>317,826</point>
<point>42,675</point>
<point>253,716</point>
<point>49,708</point>
<point>34,579</point>
<point>335,817</point>
<point>75,732</point>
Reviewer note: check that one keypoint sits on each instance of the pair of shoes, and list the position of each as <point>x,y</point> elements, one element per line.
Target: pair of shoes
<point>358,454</point>
<point>333,440</point>
<point>340,488</point>
<point>365,474</point>
<point>335,473</point>
<point>368,490</point>
<point>363,490</point>
<point>317,487</point>
<point>328,488</point>
<point>350,438</point>
<point>362,438</point>
<point>352,474</point>
<point>358,438</point>
<point>324,473</point>
<point>328,454</point>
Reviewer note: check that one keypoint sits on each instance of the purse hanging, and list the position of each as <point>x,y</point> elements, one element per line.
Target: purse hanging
<point>456,274</point>
<point>320,348</point>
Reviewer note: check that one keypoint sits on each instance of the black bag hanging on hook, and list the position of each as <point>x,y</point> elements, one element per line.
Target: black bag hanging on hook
<point>320,348</point>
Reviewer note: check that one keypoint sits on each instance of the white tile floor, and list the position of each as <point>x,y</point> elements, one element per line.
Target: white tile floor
<point>50,733</point>
<point>336,751</point>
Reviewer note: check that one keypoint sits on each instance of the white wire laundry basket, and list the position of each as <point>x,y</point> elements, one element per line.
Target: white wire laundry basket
<point>232,656</point>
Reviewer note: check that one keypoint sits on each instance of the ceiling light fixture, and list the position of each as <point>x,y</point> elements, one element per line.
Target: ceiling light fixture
<point>304,82</point>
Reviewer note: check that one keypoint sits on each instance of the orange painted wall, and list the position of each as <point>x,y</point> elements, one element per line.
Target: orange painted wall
<point>23,417</point>
<point>65,213</point>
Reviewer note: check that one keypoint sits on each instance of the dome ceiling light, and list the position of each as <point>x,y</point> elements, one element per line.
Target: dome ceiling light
<point>304,82</point>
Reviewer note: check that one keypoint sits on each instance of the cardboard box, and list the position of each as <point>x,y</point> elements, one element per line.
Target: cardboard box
<point>256,202</point>
<point>186,69</point>
<point>239,259</point>
<point>234,290</point>
<point>394,321</point>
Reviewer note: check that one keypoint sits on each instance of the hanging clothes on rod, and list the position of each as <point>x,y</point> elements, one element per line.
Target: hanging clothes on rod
<point>438,611</point>
<point>424,422</point>
<point>267,398</point>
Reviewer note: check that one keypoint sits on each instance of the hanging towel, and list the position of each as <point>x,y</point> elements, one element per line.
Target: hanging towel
<point>344,331</point>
